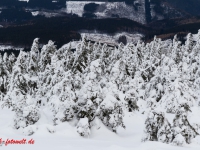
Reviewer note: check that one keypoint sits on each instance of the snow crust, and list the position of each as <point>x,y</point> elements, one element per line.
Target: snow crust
<point>7,47</point>
<point>77,7</point>
<point>112,39</point>
<point>35,13</point>
<point>66,136</point>
<point>24,0</point>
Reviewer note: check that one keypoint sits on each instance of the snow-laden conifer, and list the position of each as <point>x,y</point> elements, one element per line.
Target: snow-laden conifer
<point>157,128</point>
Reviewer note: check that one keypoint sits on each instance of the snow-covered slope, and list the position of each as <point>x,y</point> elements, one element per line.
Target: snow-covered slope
<point>77,7</point>
<point>110,9</point>
<point>8,47</point>
<point>138,11</point>
<point>164,10</point>
<point>24,0</point>
<point>143,11</point>
<point>65,136</point>
<point>113,39</point>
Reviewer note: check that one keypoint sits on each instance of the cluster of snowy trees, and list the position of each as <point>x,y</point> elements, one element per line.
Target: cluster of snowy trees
<point>98,81</point>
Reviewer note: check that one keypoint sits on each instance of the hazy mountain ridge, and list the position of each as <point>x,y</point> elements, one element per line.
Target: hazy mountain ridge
<point>157,17</point>
<point>143,11</point>
<point>189,6</point>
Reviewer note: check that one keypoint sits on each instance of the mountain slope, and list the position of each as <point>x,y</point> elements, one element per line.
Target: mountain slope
<point>143,11</point>
<point>190,6</point>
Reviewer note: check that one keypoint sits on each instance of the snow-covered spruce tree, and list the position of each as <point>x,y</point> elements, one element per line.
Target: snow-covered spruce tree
<point>195,66</point>
<point>62,100</point>
<point>131,98</point>
<point>18,70</point>
<point>6,64</point>
<point>189,43</point>
<point>33,71</point>
<point>19,95</point>
<point>56,87</point>
<point>175,52</point>
<point>196,47</point>
<point>94,52</point>
<point>83,127</point>
<point>189,64</point>
<point>110,111</point>
<point>179,140</point>
<point>118,74</point>
<point>46,53</point>
<point>48,70</point>
<point>82,56</point>
<point>27,113</point>
<point>131,58</point>
<point>34,58</point>
<point>156,48</point>
<point>155,88</point>
<point>197,77</point>
<point>150,59</point>
<point>89,94</point>
<point>182,126</point>
<point>56,70</point>
<point>135,92</point>
<point>66,55</point>
<point>4,78</point>
<point>110,106</point>
<point>157,128</point>
<point>6,61</point>
<point>128,56</point>
<point>44,85</point>
<point>178,90</point>
<point>77,82</point>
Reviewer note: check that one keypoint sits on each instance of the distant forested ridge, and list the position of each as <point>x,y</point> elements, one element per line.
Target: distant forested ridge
<point>65,29</point>
<point>47,4</point>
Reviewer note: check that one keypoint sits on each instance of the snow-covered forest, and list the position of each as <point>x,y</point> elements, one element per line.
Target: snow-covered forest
<point>97,85</point>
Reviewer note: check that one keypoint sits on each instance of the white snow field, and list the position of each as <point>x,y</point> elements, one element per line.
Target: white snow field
<point>8,47</point>
<point>65,136</point>
<point>77,7</point>
<point>105,38</point>
<point>107,9</point>
<point>24,0</point>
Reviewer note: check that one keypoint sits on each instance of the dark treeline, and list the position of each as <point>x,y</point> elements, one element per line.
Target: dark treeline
<point>167,28</point>
<point>13,15</point>
<point>190,6</point>
<point>65,29</point>
<point>91,7</point>
<point>148,11</point>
